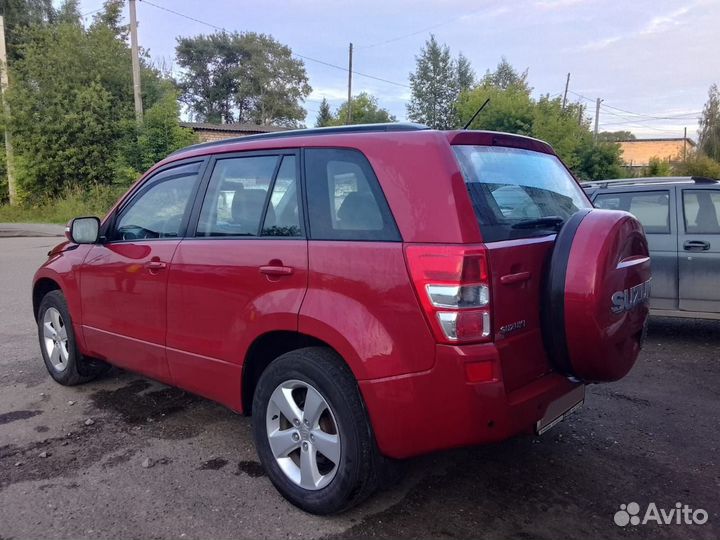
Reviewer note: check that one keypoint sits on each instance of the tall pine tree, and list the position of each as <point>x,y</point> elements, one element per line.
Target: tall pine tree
<point>434,87</point>
<point>325,116</point>
<point>465,73</point>
<point>710,125</point>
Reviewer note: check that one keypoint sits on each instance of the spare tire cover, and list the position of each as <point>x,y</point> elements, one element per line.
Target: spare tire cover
<point>598,288</point>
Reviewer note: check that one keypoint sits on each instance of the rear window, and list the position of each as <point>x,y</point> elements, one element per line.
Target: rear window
<point>510,188</point>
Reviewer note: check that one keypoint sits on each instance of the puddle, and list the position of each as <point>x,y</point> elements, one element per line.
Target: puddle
<point>136,403</point>
<point>252,468</point>
<point>213,464</point>
<point>13,416</point>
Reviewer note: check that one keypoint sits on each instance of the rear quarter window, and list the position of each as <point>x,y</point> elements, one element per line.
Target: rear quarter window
<point>345,201</point>
<point>509,186</point>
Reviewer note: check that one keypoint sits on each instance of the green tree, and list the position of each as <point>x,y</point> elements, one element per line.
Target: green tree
<point>505,76</point>
<point>72,109</point>
<point>509,110</point>
<point>709,140</point>
<point>19,16</point>
<point>434,87</point>
<point>658,167</point>
<point>465,73</point>
<point>242,77</point>
<point>615,136</point>
<point>512,109</point>
<point>325,116</point>
<point>161,133</point>
<point>698,164</point>
<point>365,110</point>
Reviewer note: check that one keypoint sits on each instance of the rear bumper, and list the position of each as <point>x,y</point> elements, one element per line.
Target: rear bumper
<point>439,409</point>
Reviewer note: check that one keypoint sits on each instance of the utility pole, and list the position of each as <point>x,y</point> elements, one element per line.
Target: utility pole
<point>349,107</point>
<point>135,63</point>
<point>12,188</point>
<point>567,84</point>
<point>597,116</point>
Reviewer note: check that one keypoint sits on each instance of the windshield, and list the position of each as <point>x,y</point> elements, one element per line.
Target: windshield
<point>512,190</point>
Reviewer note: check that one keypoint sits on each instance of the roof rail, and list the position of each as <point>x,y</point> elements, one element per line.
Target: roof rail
<point>334,130</point>
<point>648,180</point>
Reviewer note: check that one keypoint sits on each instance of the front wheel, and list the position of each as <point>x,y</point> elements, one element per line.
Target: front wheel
<point>58,345</point>
<point>312,432</point>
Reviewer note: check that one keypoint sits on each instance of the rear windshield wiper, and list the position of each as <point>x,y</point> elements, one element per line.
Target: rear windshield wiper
<point>549,222</point>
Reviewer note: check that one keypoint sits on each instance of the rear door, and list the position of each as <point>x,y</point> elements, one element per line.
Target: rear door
<point>512,190</point>
<point>652,205</point>
<point>699,248</point>
<point>241,272</point>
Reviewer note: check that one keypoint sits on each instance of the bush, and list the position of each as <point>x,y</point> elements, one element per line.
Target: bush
<point>72,202</point>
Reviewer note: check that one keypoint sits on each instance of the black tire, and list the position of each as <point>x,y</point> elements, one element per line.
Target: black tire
<point>77,369</point>
<point>359,467</point>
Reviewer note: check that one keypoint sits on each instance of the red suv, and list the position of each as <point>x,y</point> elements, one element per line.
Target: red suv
<point>366,292</point>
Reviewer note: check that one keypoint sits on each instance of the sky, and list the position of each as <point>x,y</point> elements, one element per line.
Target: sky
<point>650,61</point>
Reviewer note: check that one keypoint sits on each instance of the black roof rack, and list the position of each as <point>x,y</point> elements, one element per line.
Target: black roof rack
<point>359,128</point>
<point>648,180</point>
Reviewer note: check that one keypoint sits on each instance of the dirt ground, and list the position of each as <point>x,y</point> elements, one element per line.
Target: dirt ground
<point>71,459</point>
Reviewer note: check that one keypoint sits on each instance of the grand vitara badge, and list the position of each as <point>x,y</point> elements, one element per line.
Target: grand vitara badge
<point>628,299</point>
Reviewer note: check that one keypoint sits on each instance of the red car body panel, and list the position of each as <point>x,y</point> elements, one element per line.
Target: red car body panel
<point>192,322</point>
<point>377,339</point>
<point>207,343</point>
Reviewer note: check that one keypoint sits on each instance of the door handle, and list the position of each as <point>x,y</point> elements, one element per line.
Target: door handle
<point>276,270</point>
<point>508,279</point>
<point>696,245</point>
<point>155,265</point>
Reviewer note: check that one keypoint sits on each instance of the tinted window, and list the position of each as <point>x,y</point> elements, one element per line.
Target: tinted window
<point>282,217</point>
<point>236,196</point>
<point>508,186</point>
<point>701,209</point>
<point>652,208</point>
<point>344,198</point>
<point>158,210</point>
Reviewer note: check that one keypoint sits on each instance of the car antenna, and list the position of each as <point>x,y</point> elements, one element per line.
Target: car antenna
<point>476,113</point>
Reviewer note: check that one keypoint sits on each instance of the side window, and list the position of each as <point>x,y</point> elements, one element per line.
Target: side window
<point>236,196</point>
<point>158,211</point>
<point>701,209</point>
<point>345,201</point>
<point>282,217</point>
<point>651,208</point>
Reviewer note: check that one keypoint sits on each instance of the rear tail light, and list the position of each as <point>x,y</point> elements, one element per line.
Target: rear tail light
<point>453,288</point>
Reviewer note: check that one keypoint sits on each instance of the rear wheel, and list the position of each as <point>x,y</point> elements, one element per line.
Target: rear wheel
<point>58,345</point>
<point>312,432</point>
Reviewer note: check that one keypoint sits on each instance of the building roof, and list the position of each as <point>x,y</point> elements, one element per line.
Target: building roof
<point>232,128</point>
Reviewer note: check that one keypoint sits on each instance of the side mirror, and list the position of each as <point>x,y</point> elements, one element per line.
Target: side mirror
<point>84,230</point>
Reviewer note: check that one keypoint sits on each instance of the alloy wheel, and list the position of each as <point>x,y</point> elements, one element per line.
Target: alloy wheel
<point>303,434</point>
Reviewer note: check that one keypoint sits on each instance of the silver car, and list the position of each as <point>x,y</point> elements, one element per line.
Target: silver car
<point>680,217</point>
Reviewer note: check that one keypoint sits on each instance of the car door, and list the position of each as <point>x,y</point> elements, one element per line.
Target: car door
<point>652,207</point>
<point>243,273</point>
<point>699,249</point>
<point>123,280</point>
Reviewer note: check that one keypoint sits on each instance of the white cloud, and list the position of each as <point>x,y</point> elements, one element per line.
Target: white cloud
<point>557,4</point>
<point>661,23</point>
<point>599,44</point>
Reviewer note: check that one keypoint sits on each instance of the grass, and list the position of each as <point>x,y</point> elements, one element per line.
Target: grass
<point>73,202</point>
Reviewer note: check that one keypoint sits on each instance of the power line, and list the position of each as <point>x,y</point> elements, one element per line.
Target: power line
<point>304,57</point>
<point>637,116</point>
<point>421,31</point>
